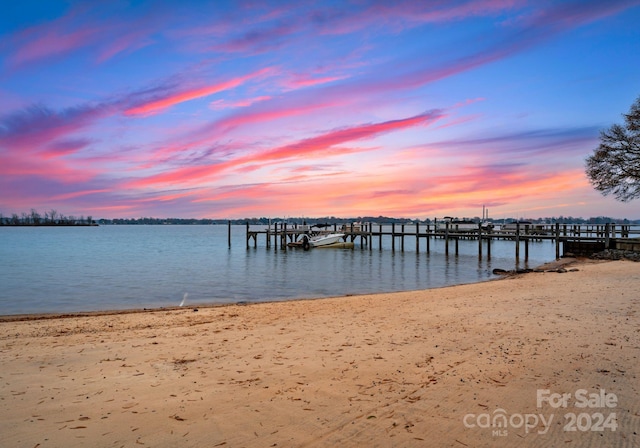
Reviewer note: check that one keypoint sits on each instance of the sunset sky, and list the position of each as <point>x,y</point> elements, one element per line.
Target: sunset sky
<point>213,109</point>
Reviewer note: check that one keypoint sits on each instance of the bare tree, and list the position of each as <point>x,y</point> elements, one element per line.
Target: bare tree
<point>35,216</point>
<point>614,167</point>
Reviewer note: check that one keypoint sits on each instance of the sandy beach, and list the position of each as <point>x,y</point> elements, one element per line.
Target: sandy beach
<point>538,359</point>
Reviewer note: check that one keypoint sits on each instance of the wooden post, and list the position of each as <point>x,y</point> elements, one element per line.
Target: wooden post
<point>479,240</point>
<point>489,246</point>
<point>457,239</point>
<point>402,238</point>
<point>283,240</point>
<point>417,237</point>
<point>446,238</point>
<point>428,237</point>
<point>275,235</point>
<point>557,232</point>
<point>606,235</point>
<point>517,241</point>
<point>380,236</point>
<point>367,235</point>
<point>393,236</point>
<point>526,243</point>
<point>268,235</point>
<point>248,233</point>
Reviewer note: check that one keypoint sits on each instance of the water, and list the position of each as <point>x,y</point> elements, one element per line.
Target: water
<point>68,269</point>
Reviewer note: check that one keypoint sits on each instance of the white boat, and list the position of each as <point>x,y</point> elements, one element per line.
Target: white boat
<point>325,239</point>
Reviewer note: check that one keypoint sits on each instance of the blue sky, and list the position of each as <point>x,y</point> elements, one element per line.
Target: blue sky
<point>239,109</point>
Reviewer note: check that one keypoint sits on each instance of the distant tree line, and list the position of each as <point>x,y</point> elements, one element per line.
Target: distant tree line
<point>337,220</point>
<point>242,221</point>
<point>48,218</point>
<point>53,218</point>
<point>572,220</point>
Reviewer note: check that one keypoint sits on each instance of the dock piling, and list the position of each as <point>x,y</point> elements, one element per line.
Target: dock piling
<point>393,236</point>
<point>518,233</point>
<point>446,238</point>
<point>557,239</point>
<point>428,237</point>
<point>517,241</point>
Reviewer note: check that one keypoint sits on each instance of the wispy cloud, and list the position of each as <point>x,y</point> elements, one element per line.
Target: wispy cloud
<point>65,147</point>
<point>531,144</point>
<point>101,30</point>
<point>245,102</point>
<point>170,98</point>
<point>37,125</point>
<point>49,40</point>
<point>322,145</point>
<point>152,106</point>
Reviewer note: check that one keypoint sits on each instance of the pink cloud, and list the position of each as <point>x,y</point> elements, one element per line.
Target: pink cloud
<point>312,147</point>
<point>308,147</point>
<point>77,194</point>
<point>104,27</point>
<point>426,191</point>
<point>156,106</point>
<point>126,43</point>
<point>260,40</point>
<point>259,113</point>
<point>568,15</point>
<point>44,42</point>
<point>246,102</point>
<point>530,31</point>
<point>14,165</point>
<point>305,80</point>
<point>171,99</point>
<point>38,126</point>
<point>64,147</point>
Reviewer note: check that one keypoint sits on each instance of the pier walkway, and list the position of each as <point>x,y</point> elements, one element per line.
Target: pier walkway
<point>574,238</point>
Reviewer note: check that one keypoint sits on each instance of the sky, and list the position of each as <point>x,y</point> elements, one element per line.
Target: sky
<point>215,109</point>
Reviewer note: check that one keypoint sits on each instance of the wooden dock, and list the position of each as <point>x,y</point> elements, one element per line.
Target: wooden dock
<point>366,235</point>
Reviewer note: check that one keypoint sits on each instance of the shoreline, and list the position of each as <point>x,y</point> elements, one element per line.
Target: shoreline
<point>415,368</point>
<point>561,262</point>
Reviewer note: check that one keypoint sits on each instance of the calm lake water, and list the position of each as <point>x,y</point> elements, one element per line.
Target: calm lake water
<point>65,269</point>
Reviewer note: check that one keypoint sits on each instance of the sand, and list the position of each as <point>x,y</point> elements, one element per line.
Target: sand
<point>470,365</point>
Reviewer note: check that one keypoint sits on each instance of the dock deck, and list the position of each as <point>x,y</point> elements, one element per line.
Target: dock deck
<point>566,235</point>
